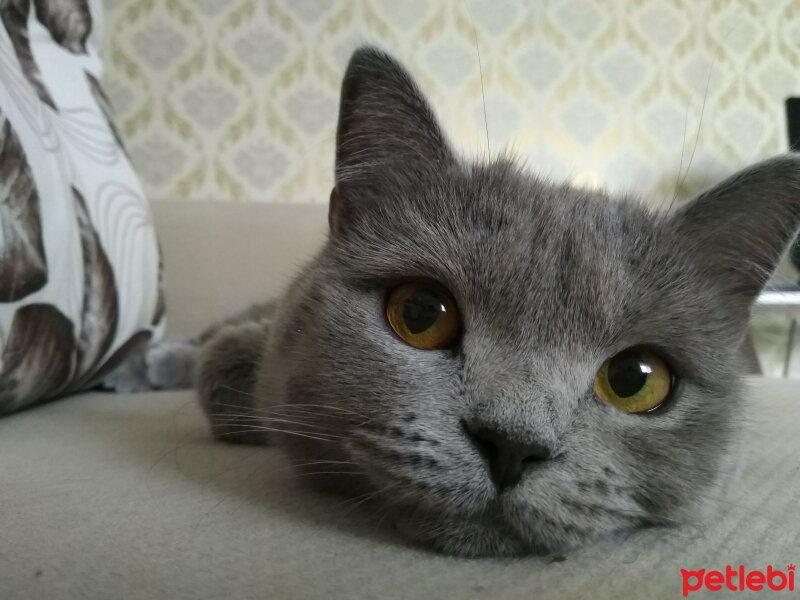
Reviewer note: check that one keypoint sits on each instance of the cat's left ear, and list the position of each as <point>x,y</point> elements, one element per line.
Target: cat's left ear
<point>737,231</point>
<point>387,136</point>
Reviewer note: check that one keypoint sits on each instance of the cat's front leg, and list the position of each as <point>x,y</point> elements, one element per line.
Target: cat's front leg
<point>226,376</point>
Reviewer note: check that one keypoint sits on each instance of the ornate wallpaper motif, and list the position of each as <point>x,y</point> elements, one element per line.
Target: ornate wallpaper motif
<point>237,99</point>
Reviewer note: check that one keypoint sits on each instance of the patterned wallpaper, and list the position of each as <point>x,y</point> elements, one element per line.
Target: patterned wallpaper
<point>237,99</point>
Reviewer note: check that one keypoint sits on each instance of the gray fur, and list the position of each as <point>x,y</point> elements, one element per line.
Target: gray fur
<point>170,364</point>
<point>551,281</point>
<point>165,365</point>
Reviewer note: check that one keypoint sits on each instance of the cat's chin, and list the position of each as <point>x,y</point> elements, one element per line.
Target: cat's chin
<point>491,534</point>
<point>503,526</point>
<point>496,531</point>
<point>466,537</point>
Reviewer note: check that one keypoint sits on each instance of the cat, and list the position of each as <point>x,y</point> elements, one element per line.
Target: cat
<point>503,364</point>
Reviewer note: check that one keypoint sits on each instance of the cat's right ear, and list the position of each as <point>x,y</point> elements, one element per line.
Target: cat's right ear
<point>387,136</point>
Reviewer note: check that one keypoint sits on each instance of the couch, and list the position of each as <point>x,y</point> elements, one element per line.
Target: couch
<point>106,496</point>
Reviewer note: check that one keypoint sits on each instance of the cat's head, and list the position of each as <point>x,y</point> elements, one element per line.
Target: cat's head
<point>512,365</point>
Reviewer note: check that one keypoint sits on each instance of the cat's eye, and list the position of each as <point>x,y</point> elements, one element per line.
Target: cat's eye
<point>423,315</point>
<point>636,380</point>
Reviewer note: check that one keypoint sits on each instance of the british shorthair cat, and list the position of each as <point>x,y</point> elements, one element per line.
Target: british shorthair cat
<point>502,363</point>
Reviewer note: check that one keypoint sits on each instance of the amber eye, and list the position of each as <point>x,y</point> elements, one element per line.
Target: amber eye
<point>635,381</point>
<point>423,315</point>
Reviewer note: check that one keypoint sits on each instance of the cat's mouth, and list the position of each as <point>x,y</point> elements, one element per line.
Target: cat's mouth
<point>467,515</point>
<point>508,527</point>
<point>501,528</point>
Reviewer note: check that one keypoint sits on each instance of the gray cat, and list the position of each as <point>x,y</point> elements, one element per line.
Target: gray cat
<point>503,364</point>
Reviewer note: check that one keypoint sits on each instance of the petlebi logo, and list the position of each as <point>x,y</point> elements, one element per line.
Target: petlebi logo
<point>739,579</point>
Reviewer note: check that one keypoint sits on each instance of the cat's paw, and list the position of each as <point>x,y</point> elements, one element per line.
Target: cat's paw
<point>226,375</point>
<point>167,365</point>
<point>170,365</point>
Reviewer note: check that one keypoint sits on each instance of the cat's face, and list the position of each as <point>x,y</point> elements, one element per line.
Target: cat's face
<point>501,442</point>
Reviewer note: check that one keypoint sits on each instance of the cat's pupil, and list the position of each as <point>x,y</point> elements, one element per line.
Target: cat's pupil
<point>421,310</point>
<point>627,373</point>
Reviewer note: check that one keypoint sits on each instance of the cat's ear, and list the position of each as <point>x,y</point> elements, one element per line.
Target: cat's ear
<point>387,133</point>
<point>737,231</point>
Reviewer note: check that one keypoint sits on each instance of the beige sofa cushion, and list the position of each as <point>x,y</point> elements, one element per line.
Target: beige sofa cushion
<point>128,497</point>
<point>222,257</point>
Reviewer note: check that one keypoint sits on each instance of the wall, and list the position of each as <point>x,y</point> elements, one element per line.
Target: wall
<point>237,99</point>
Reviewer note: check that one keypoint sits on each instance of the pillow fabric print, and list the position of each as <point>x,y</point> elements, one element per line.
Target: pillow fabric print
<point>80,270</point>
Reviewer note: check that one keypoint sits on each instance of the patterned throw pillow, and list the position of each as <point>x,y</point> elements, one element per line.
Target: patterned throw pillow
<point>80,272</point>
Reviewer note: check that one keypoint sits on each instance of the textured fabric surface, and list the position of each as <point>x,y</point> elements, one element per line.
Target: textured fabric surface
<point>222,257</point>
<point>108,496</point>
<point>79,261</point>
<point>237,99</point>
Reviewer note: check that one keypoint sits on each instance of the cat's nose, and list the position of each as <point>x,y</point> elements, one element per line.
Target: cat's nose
<point>507,458</point>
